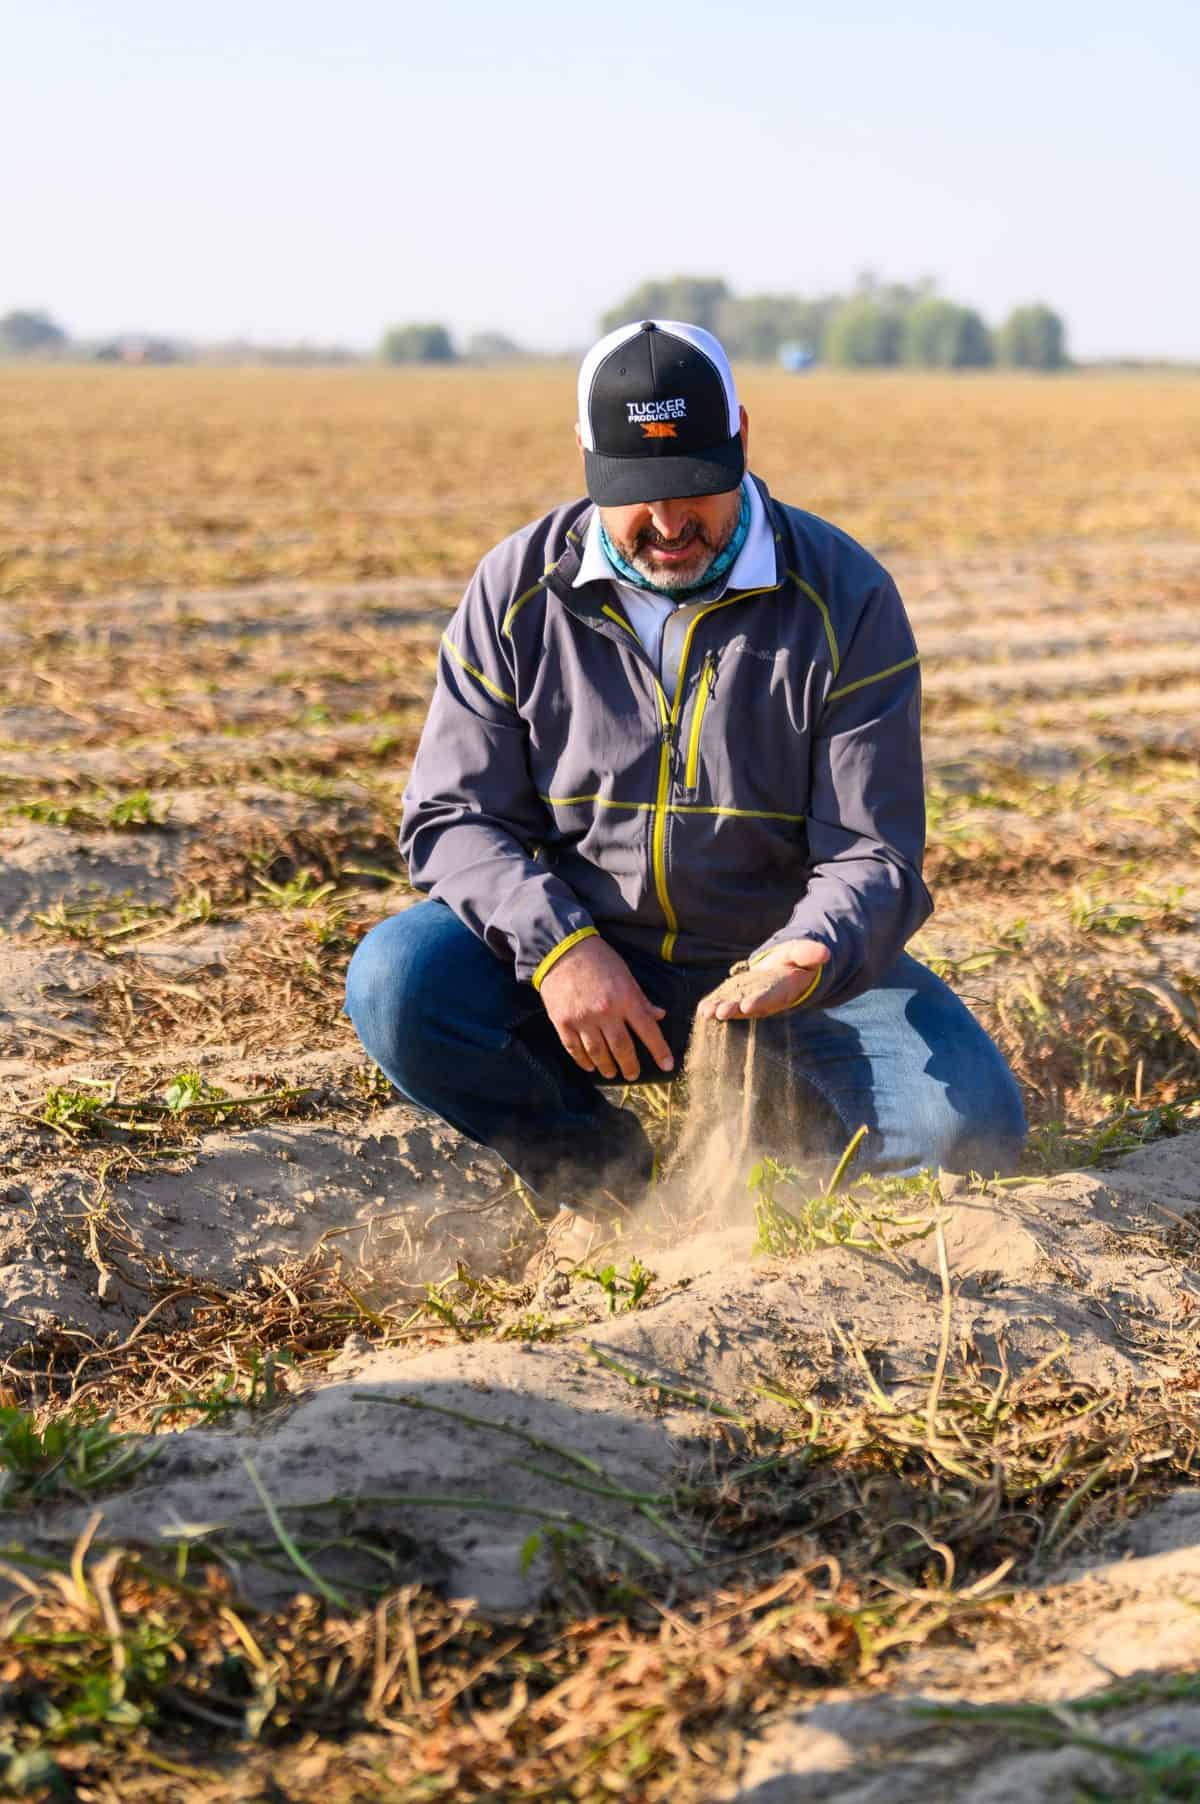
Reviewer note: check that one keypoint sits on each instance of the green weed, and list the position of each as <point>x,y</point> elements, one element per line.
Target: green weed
<point>52,814</point>
<point>301,891</point>
<point>879,1215</point>
<point>72,1111</point>
<point>70,1454</point>
<point>816,1220</point>
<point>136,810</point>
<point>94,1109</point>
<point>196,905</point>
<point>532,1325</point>
<point>113,813</point>
<point>1091,911</point>
<point>622,1291</point>
<point>329,931</point>
<point>255,1386</point>
<point>473,1307</point>
<point>1055,1147</point>
<point>189,1089</point>
<point>1157,1774</point>
<point>99,919</point>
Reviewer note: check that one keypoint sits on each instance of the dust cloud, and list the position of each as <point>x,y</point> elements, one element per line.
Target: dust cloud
<point>742,1101</point>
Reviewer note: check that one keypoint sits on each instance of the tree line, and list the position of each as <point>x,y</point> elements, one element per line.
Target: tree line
<point>879,325</point>
<point>33,333</point>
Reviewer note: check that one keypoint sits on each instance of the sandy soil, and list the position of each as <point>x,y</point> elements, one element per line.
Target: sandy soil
<point>1087,1259</point>
<point>1092,1262</point>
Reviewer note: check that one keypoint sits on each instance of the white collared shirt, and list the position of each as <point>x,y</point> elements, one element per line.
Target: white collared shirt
<point>752,568</point>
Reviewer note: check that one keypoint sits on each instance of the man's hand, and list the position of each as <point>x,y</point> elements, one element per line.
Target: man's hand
<point>768,987</point>
<point>594,1000</point>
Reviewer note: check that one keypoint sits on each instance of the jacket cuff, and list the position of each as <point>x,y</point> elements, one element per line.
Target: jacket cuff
<point>552,957</point>
<point>823,976</point>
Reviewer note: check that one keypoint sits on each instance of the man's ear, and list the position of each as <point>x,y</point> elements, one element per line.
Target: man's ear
<point>743,428</point>
<point>579,437</point>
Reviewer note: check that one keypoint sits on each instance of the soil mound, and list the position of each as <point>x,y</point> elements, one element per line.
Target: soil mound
<point>1087,1268</point>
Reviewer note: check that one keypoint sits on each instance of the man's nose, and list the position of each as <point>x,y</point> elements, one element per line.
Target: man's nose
<point>669,517</point>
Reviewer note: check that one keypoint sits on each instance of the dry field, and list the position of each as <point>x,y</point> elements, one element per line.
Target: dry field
<point>905,1505</point>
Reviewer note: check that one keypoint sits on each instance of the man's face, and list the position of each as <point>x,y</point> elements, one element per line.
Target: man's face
<point>672,543</point>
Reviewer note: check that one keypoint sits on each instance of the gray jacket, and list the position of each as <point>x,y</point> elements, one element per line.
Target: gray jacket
<point>557,792</point>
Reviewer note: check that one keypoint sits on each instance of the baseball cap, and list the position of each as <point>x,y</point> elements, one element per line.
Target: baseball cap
<point>658,415</point>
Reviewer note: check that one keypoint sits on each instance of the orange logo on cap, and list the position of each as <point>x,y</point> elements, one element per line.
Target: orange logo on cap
<point>659,429</point>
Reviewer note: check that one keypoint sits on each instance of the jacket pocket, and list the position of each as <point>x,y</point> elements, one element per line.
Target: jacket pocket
<point>708,682</point>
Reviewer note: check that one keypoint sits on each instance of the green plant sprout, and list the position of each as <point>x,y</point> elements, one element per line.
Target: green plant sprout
<point>1092,912</point>
<point>78,1112</point>
<point>71,1453</point>
<point>829,1217</point>
<point>622,1292</point>
<point>138,809</point>
<point>301,891</point>
<point>255,1386</point>
<point>188,1089</point>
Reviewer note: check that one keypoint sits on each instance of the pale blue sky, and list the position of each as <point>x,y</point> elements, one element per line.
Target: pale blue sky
<point>287,170</point>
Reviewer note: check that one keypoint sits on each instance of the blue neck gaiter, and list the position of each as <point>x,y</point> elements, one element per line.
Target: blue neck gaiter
<point>720,566</point>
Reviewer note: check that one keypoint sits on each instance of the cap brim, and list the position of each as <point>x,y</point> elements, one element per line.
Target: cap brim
<point>620,481</point>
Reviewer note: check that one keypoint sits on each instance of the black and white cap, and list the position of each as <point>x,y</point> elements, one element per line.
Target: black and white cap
<point>658,415</point>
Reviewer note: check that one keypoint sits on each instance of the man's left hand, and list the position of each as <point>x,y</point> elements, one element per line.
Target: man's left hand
<point>775,983</point>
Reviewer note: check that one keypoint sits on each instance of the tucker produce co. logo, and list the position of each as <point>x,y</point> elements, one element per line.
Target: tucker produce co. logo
<point>657,418</point>
<point>656,413</point>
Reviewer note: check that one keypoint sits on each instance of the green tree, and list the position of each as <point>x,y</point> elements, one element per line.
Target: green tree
<point>417,344</point>
<point>865,334</point>
<point>941,335</point>
<point>1033,338</point>
<point>24,332</point>
<point>871,287</point>
<point>756,325</point>
<point>694,299</point>
<point>493,347</point>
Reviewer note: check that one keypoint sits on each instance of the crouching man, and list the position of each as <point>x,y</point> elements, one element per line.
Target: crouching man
<point>676,727</point>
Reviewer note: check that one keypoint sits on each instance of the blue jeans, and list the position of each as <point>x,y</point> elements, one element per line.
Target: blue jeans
<point>454,1030</point>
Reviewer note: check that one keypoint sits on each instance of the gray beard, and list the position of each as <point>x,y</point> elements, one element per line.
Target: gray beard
<point>667,581</point>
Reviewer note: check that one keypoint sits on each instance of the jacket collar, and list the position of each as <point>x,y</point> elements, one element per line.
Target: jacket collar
<point>753,568</point>
<point>585,594</point>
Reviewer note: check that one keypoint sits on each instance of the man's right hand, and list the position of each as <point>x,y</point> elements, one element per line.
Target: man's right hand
<point>594,1000</point>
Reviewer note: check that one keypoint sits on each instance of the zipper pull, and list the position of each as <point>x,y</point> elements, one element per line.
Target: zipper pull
<point>670,739</point>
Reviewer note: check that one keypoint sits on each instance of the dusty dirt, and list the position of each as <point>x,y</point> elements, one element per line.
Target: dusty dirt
<point>1083,1265</point>
<point>400,1201</point>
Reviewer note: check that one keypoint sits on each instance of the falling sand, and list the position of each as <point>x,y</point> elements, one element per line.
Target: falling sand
<point>743,1100</point>
<point>713,1150</point>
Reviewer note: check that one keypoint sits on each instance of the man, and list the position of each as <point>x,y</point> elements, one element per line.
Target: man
<point>676,728</point>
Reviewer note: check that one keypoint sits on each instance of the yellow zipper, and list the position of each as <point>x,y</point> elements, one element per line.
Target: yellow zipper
<point>708,676</point>
<point>658,842</point>
<point>658,839</point>
<point>670,722</point>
